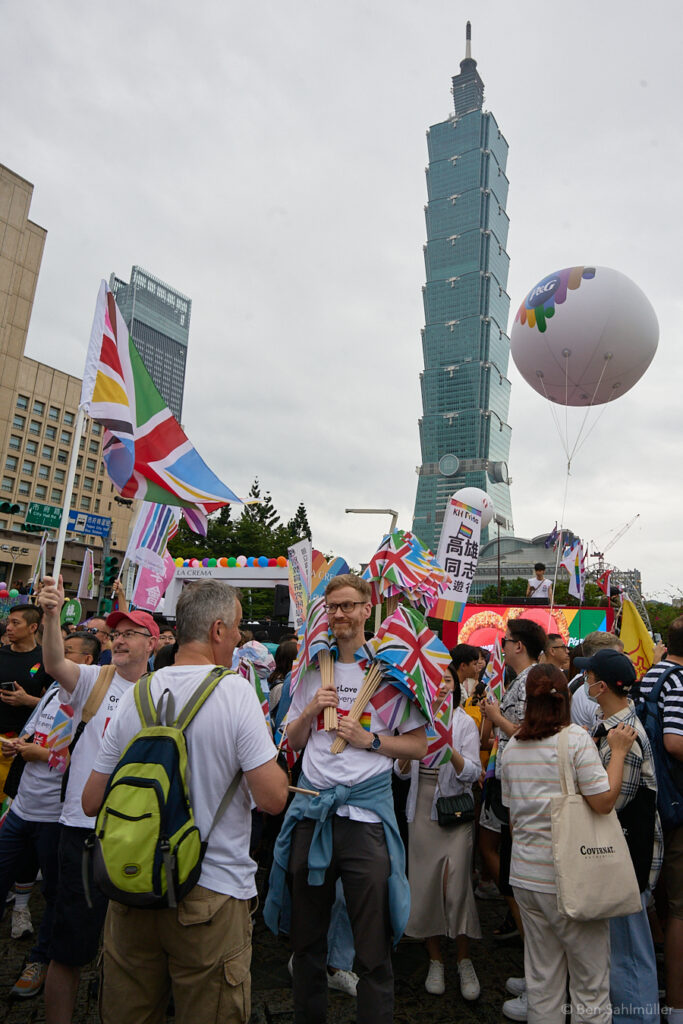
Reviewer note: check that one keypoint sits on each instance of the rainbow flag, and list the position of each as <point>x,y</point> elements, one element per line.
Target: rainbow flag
<point>146,452</point>
<point>439,735</point>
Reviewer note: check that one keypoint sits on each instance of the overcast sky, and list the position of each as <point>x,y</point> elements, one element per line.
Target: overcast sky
<point>268,161</point>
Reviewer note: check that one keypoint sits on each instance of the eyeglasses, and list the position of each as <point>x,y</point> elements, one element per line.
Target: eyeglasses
<point>128,634</point>
<point>344,606</point>
<point>93,631</point>
<point>559,647</point>
<point>506,640</point>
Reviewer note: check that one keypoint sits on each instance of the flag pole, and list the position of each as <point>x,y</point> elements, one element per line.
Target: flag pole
<point>61,536</point>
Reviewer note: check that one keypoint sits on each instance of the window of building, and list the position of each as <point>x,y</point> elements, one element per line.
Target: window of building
<point>11,463</point>
<point>22,402</point>
<point>7,483</point>
<point>59,476</point>
<point>79,461</point>
<point>41,492</point>
<point>38,408</point>
<point>97,505</point>
<point>81,444</point>
<point>69,419</point>
<point>53,412</point>
<point>96,429</point>
<point>43,472</point>
<point>24,487</point>
<point>34,427</point>
<point>85,503</point>
<point>47,451</point>
<point>31,447</point>
<point>3,524</point>
<point>50,433</point>
<point>88,483</point>
<point>90,465</point>
<point>14,443</point>
<point>56,494</point>
<point>65,437</point>
<point>28,468</point>
<point>19,422</point>
<point>99,486</point>
<point>94,446</point>
<point>62,456</point>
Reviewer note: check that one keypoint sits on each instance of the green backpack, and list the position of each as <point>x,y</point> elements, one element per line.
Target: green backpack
<point>146,847</point>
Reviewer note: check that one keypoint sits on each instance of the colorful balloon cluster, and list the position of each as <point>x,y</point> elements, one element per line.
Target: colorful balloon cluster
<point>5,593</point>
<point>240,562</point>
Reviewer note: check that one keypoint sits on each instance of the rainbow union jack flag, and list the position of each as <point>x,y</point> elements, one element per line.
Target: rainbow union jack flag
<point>146,452</point>
<point>316,637</point>
<point>440,735</point>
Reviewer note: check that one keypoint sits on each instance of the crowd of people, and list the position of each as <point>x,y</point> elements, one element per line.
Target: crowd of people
<point>362,846</point>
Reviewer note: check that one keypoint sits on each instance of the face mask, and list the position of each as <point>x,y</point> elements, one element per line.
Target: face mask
<point>586,687</point>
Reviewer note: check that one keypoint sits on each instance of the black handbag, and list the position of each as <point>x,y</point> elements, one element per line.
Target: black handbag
<point>455,810</point>
<point>637,820</point>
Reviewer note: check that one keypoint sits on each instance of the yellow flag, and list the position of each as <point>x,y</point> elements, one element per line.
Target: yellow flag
<point>638,643</point>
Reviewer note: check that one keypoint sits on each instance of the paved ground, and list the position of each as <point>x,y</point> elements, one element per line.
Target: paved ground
<point>272,1002</point>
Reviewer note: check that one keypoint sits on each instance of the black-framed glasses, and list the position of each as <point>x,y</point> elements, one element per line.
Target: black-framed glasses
<point>559,647</point>
<point>506,640</point>
<point>127,634</point>
<point>344,606</point>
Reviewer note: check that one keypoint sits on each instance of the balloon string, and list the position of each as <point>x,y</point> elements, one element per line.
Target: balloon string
<point>556,419</point>
<point>590,406</point>
<point>560,540</point>
<point>593,425</point>
<point>566,401</point>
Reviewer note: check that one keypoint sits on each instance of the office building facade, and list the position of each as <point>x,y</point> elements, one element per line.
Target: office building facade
<point>158,319</point>
<point>38,407</point>
<point>464,433</point>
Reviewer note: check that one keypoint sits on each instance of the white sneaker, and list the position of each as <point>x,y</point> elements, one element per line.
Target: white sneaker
<point>516,1009</point>
<point>22,925</point>
<point>435,983</point>
<point>516,986</point>
<point>469,983</point>
<point>343,981</point>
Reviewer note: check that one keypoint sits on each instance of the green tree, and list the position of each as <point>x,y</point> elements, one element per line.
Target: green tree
<point>661,616</point>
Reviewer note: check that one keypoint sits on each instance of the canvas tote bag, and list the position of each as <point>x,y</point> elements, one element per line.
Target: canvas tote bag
<point>595,874</point>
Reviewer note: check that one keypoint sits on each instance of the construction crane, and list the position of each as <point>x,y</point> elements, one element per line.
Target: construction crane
<point>600,555</point>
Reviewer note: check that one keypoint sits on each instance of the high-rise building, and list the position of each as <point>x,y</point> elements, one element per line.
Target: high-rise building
<point>464,434</point>
<point>38,407</point>
<point>158,318</point>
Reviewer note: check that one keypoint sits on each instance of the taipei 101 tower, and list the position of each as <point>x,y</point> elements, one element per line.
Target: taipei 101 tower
<point>464,433</point>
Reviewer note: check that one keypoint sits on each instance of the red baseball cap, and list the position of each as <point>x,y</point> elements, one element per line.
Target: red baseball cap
<point>140,618</point>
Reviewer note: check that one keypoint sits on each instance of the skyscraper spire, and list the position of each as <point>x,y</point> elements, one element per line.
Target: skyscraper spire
<point>468,41</point>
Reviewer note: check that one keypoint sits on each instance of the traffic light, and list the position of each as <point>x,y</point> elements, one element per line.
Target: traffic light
<point>8,507</point>
<point>105,606</point>
<point>110,570</point>
<point>30,528</point>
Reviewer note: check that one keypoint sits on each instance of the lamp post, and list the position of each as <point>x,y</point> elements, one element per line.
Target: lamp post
<point>14,553</point>
<point>394,519</point>
<point>499,521</point>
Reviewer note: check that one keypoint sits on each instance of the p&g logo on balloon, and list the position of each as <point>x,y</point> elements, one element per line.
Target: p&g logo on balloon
<point>539,305</point>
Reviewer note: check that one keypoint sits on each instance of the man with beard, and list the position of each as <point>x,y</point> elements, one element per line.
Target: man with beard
<point>349,830</point>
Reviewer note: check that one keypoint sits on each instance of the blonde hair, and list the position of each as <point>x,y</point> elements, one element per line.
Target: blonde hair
<point>600,641</point>
<point>348,579</point>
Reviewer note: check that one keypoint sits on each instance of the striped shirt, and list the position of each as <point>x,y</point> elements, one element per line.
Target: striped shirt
<point>638,767</point>
<point>671,698</point>
<point>530,778</point>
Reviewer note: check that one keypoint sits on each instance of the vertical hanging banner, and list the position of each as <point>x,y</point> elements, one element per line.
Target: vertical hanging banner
<point>151,584</point>
<point>86,586</point>
<point>300,557</point>
<point>458,553</point>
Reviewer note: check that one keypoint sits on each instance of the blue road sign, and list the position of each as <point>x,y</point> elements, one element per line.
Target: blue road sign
<point>83,522</point>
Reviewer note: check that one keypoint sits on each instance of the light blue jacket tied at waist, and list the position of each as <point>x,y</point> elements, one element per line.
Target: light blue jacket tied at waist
<point>373,795</point>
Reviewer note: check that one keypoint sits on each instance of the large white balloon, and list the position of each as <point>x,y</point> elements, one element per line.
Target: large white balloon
<point>477,498</point>
<point>584,336</point>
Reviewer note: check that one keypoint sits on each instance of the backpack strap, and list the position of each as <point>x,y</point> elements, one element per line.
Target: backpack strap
<point>225,802</point>
<point>656,690</point>
<point>96,696</point>
<point>144,702</point>
<point>204,690</point>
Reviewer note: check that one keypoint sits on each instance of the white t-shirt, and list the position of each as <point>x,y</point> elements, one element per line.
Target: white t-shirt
<point>530,778</point>
<point>539,588</point>
<point>85,751</point>
<point>228,732</point>
<point>39,797</point>
<point>325,770</point>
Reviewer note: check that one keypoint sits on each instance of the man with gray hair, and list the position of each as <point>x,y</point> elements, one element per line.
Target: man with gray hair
<point>202,948</point>
<point>584,710</point>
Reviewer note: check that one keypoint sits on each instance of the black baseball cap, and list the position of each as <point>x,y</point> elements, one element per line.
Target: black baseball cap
<point>609,666</point>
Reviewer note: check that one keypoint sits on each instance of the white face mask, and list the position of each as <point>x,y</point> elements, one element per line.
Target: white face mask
<point>587,687</point>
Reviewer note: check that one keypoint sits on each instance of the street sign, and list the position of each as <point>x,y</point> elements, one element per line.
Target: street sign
<point>83,522</point>
<point>38,514</point>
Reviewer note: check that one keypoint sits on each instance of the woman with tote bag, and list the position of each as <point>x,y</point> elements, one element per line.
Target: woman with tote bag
<point>554,942</point>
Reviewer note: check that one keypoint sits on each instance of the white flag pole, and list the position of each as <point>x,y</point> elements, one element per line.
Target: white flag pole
<point>71,475</point>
